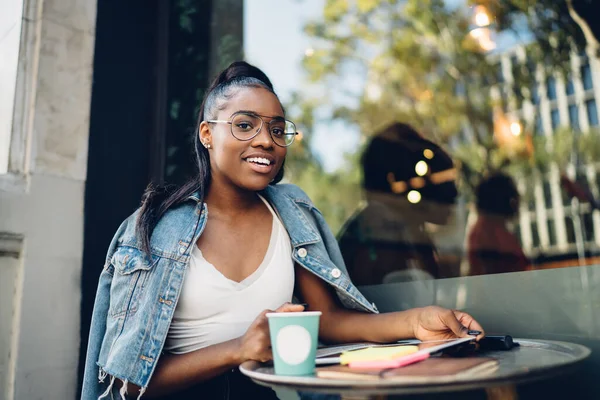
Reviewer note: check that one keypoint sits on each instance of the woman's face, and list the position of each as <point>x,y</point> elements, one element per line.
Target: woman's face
<point>230,158</point>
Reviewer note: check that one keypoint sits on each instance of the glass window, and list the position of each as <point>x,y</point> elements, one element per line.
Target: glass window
<point>551,88</point>
<point>586,77</point>
<point>535,236</point>
<point>10,38</point>
<point>535,96</point>
<point>592,112</point>
<point>570,229</point>
<point>574,116</point>
<point>566,199</point>
<point>383,161</point>
<point>588,226</point>
<point>555,119</point>
<point>551,232</point>
<point>582,180</point>
<point>547,194</point>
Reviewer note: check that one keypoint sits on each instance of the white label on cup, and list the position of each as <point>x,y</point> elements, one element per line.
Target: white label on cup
<point>293,344</point>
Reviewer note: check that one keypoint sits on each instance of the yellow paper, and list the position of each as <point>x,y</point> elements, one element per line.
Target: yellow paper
<point>377,353</point>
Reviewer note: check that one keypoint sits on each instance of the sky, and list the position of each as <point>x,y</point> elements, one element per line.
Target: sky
<point>278,50</point>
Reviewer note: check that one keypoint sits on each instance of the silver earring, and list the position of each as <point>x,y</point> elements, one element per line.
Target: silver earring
<point>207,145</point>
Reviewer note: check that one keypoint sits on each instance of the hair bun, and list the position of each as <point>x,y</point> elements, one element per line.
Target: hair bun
<point>241,69</point>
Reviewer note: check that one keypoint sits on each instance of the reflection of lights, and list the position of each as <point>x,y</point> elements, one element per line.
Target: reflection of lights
<point>373,91</point>
<point>428,154</point>
<point>483,36</point>
<point>396,186</point>
<point>421,168</point>
<point>448,175</point>
<point>477,33</point>
<point>481,16</point>
<point>417,182</point>
<point>309,52</point>
<point>414,196</point>
<point>515,128</point>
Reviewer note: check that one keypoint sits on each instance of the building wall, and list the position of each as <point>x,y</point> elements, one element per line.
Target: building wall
<point>41,202</point>
<point>550,223</point>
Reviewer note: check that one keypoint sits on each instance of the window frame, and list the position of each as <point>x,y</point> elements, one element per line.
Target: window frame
<point>16,177</point>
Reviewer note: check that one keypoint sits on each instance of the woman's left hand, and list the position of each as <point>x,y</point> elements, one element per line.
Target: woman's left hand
<point>437,323</point>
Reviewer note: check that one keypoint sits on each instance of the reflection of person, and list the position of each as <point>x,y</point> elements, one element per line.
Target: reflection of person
<point>182,298</point>
<point>491,247</point>
<point>408,181</point>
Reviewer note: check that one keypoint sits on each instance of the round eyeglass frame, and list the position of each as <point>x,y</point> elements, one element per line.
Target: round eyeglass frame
<point>262,123</point>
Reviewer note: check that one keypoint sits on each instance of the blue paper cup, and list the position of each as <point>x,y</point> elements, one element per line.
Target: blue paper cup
<point>294,337</point>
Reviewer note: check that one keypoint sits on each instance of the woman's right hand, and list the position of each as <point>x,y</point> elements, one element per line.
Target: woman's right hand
<point>256,343</point>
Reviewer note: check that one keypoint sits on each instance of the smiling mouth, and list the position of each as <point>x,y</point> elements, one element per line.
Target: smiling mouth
<point>259,161</point>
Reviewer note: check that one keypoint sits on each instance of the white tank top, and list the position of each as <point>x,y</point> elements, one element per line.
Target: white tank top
<point>213,309</point>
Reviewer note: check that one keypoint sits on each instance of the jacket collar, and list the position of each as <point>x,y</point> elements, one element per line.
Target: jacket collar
<point>300,230</point>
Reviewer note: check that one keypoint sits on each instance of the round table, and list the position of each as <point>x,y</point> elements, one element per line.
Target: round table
<point>533,360</point>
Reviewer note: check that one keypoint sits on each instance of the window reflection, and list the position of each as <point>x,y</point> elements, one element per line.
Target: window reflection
<point>555,118</point>
<point>592,112</point>
<point>586,77</point>
<point>574,116</point>
<point>491,246</point>
<point>409,183</point>
<point>570,229</point>
<point>520,121</point>
<point>551,88</point>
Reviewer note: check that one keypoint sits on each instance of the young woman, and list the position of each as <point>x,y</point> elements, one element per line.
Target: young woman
<point>188,278</point>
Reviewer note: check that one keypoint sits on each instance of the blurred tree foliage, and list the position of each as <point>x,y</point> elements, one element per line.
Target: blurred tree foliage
<point>423,65</point>
<point>335,194</point>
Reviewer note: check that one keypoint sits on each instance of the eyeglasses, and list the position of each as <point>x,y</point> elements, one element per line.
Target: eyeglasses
<point>246,126</point>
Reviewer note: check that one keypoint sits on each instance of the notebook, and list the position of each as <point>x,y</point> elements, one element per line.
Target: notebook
<point>380,352</point>
<point>376,353</point>
<point>438,367</point>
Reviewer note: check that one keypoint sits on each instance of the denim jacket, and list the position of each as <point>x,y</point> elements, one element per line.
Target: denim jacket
<point>137,294</point>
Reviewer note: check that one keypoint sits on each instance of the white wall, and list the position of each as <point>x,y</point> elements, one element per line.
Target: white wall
<point>41,202</point>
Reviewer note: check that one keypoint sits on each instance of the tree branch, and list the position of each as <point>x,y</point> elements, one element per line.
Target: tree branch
<point>591,40</point>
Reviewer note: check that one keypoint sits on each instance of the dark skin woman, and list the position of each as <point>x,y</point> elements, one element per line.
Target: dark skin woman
<point>239,170</point>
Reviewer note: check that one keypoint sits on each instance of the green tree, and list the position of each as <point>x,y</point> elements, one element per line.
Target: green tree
<point>422,64</point>
<point>336,194</point>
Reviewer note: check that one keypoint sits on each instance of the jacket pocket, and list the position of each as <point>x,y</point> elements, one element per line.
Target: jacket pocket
<point>132,271</point>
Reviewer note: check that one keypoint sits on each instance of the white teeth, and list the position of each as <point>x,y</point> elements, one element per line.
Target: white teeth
<point>259,160</point>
